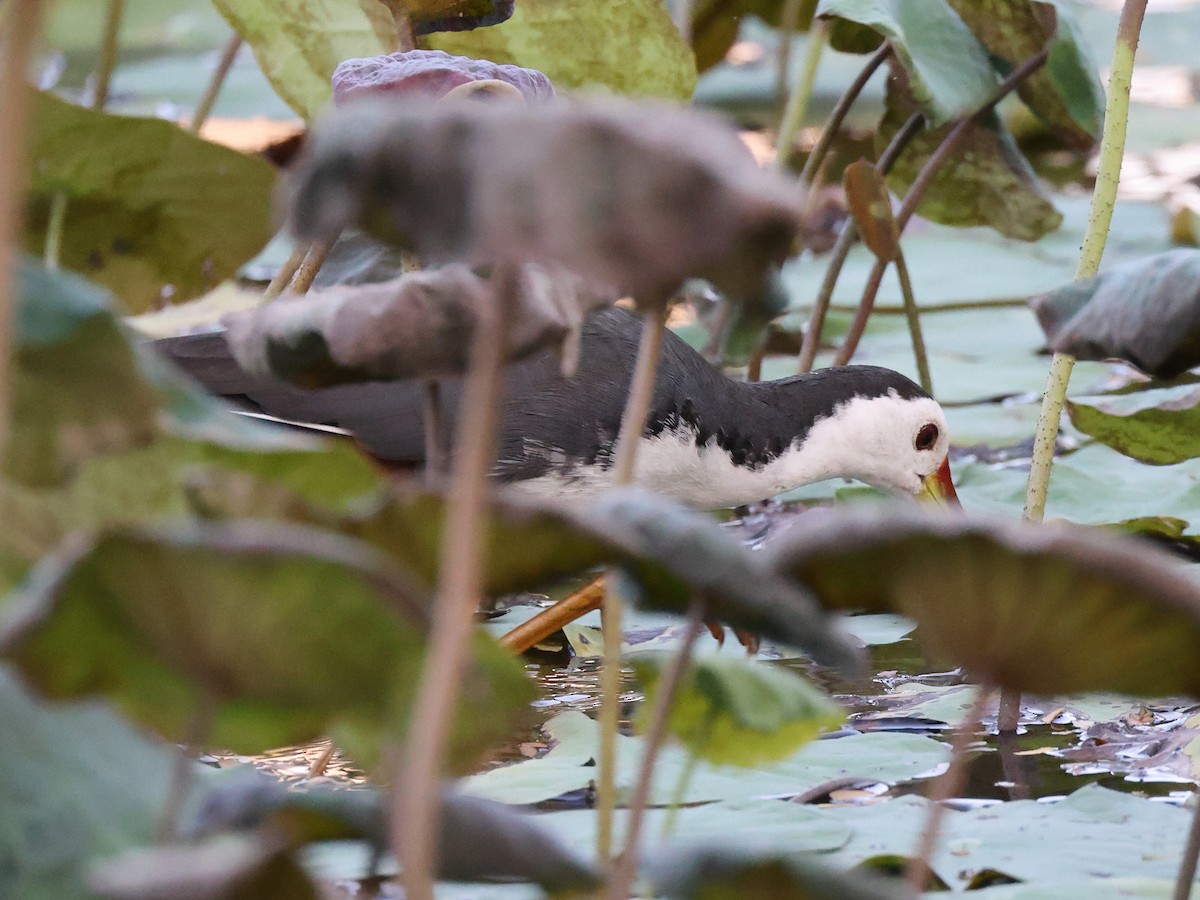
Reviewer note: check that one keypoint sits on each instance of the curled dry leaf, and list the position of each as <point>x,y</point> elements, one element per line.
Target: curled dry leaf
<point>1144,311</point>
<point>636,195</point>
<point>1044,609</point>
<point>871,205</point>
<point>429,73</point>
<point>417,325</point>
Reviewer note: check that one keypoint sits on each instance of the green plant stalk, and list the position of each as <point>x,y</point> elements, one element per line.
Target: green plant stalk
<point>841,249</point>
<point>205,107</point>
<point>834,123</point>
<point>52,253</point>
<point>789,24</point>
<point>621,885</point>
<point>947,785</point>
<point>957,306</point>
<point>945,150</point>
<point>1104,199</point>
<point>109,46</point>
<point>681,785</point>
<point>22,26</point>
<point>913,316</point>
<point>797,105</point>
<point>416,797</point>
<point>633,423</point>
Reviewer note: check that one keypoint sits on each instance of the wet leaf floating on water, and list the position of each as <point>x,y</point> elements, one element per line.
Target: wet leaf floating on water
<point>154,620</point>
<point>230,867</point>
<point>429,16</point>
<point>640,196</point>
<point>628,46</point>
<point>417,325</point>
<point>718,873</point>
<point>154,213</point>
<point>739,712</point>
<point>298,43</point>
<point>1066,93</point>
<point>1145,311</point>
<point>1160,426</point>
<point>997,596</point>
<point>431,74</point>
<point>948,69</point>
<point>986,182</point>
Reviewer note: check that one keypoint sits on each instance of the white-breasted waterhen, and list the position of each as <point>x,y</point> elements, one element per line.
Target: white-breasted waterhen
<point>710,441</point>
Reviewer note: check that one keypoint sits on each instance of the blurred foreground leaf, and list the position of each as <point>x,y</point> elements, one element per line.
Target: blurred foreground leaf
<point>1046,609</point>
<point>628,46</point>
<point>77,783</point>
<point>739,712</point>
<point>1144,311</point>
<point>298,43</point>
<point>283,631</point>
<point>635,196</point>
<point>154,213</point>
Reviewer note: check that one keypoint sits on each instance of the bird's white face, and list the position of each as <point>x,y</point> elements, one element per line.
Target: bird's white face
<point>889,442</point>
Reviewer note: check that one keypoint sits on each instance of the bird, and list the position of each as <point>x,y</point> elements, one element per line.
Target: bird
<point>710,441</point>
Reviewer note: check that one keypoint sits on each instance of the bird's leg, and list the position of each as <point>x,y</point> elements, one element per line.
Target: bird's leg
<point>564,612</point>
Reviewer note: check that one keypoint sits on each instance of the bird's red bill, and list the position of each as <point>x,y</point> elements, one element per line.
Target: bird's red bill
<point>938,487</point>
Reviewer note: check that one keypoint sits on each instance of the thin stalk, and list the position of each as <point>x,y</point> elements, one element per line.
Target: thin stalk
<point>797,105</point>
<point>205,107</point>
<point>22,26</point>
<point>668,686</point>
<point>199,726</point>
<point>1187,869</point>
<point>957,306</point>
<point>948,784</point>
<point>834,123</point>
<point>108,53</point>
<point>916,191</point>
<point>321,763</point>
<point>841,249</point>
<point>914,323</point>
<point>405,39</point>
<point>286,273</point>
<point>1008,716</point>
<point>435,447</point>
<point>789,24</point>
<point>314,258</point>
<point>633,423</point>
<point>1104,198</point>
<point>416,803</point>
<point>681,786</point>
<point>52,254</point>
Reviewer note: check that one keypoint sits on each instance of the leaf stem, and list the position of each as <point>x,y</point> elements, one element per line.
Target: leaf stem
<point>841,249</point>
<point>668,687</point>
<point>834,123</point>
<point>949,784</point>
<point>315,255</point>
<point>913,317</point>
<point>789,24</point>
<point>196,732</point>
<point>433,423</point>
<point>109,45</point>
<point>916,191</point>
<point>205,107</point>
<point>22,26</point>
<point>797,105</point>
<point>1191,849</point>
<point>52,253</point>
<point>1104,198</point>
<point>416,803</point>
<point>633,423</point>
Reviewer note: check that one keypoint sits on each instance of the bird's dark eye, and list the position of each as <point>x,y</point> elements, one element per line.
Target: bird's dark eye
<point>926,437</point>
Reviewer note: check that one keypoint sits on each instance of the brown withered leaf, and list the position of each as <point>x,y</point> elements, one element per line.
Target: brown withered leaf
<point>986,182</point>
<point>638,195</point>
<point>871,205</point>
<point>417,325</point>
